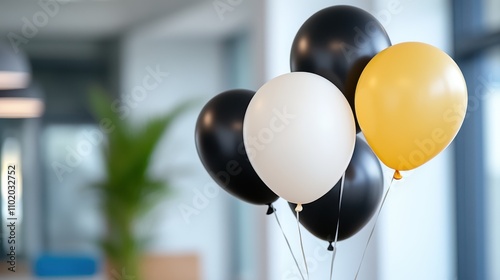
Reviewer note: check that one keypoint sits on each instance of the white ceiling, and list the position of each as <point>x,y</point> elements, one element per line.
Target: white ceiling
<point>86,19</point>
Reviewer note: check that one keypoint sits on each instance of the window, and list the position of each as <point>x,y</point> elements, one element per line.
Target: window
<point>70,211</point>
<point>72,163</point>
<point>492,159</point>
<point>477,51</point>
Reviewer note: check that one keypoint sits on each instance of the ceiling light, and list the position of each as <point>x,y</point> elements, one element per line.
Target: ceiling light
<point>21,103</point>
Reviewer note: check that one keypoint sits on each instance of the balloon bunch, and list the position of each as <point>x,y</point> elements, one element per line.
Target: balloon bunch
<point>296,136</point>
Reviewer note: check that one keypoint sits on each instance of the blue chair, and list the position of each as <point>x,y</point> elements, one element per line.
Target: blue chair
<point>52,265</point>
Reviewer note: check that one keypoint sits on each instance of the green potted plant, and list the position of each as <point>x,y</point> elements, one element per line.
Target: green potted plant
<point>128,191</point>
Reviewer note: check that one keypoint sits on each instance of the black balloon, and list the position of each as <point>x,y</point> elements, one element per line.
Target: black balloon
<point>363,189</point>
<point>337,43</point>
<point>219,141</point>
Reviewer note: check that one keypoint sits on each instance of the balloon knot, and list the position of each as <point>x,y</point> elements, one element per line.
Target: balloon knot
<point>397,175</point>
<point>298,208</point>
<point>270,209</point>
<point>330,247</point>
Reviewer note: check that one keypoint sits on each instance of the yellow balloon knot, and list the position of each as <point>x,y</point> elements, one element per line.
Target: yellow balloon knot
<point>298,208</point>
<point>397,175</point>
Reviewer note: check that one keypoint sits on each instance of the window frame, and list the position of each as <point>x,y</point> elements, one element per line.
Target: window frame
<point>471,42</point>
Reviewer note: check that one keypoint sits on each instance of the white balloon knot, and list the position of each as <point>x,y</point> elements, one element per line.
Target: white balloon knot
<point>298,208</point>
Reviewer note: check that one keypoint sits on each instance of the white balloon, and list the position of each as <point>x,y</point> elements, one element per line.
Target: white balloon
<point>299,134</point>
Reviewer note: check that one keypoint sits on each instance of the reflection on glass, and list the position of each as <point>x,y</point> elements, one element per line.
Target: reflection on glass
<point>72,162</point>
<point>491,99</point>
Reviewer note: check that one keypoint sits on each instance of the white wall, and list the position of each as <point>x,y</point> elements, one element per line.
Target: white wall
<point>415,235</point>
<point>417,229</point>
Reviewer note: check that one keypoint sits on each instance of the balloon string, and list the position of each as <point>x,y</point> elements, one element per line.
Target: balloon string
<point>301,242</point>
<point>338,223</point>
<point>373,228</point>
<point>287,242</point>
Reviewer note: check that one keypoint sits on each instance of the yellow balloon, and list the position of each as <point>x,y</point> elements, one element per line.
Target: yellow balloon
<point>410,102</point>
